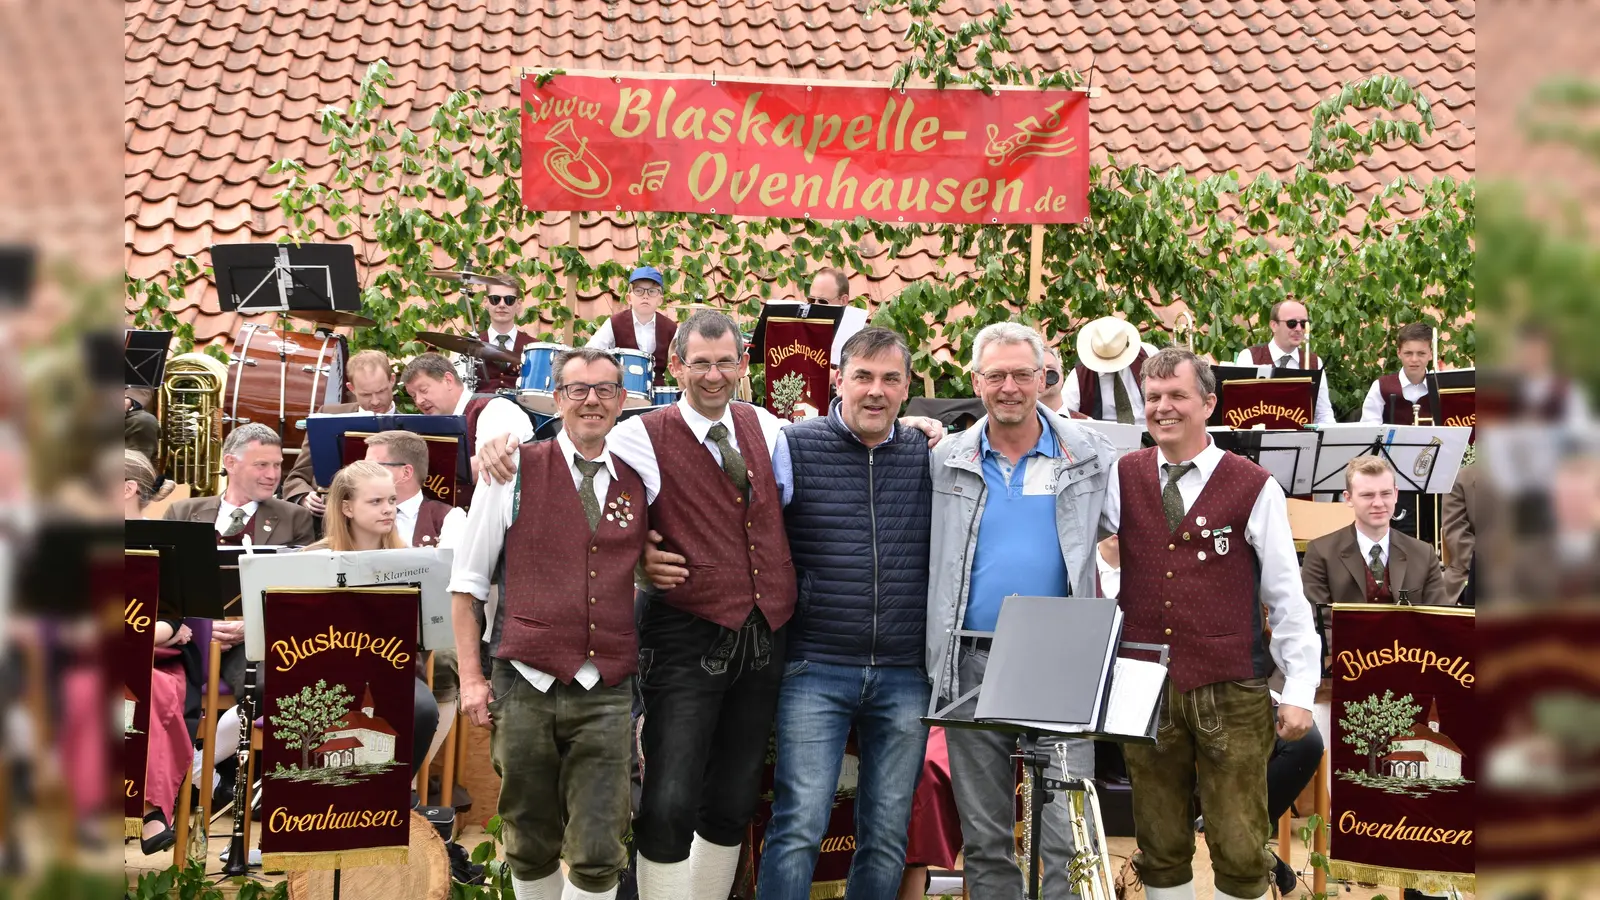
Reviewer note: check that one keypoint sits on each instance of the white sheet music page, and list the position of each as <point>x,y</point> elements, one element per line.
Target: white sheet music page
<point>1135,692</point>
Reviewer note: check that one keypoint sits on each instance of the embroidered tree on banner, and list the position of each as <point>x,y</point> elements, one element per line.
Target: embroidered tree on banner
<point>1373,725</point>
<point>303,718</point>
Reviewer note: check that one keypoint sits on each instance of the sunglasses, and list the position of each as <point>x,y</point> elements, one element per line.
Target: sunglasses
<point>1296,323</point>
<point>498,299</point>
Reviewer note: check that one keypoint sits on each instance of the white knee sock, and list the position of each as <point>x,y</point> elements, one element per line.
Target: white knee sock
<point>447,717</point>
<point>572,893</point>
<point>1223,895</point>
<point>546,888</point>
<point>711,868</point>
<point>664,881</point>
<point>1183,891</point>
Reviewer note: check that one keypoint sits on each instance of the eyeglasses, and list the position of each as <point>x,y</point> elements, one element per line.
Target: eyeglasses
<point>825,301</point>
<point>577,391</point>
<point>726,367</point>
<point>645,291</point>
<point>1292,324</point>
<point>393,465</point>
<point>1023,377</point>
<point>498,299</point>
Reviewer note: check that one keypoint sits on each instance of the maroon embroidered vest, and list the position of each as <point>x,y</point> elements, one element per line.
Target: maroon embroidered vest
<point>1089,386</point>
<point>737,548</point>
<point>1195,587</point>
<point>1376,593</point>
<point>503,376</point>
<point>622,329</point>
<point>568,592</point>
<point>1396,408</point>
<point>1261,355</point>
<point>430,519</point>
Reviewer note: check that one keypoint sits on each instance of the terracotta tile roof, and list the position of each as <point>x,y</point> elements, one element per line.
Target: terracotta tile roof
<point>218,89</point>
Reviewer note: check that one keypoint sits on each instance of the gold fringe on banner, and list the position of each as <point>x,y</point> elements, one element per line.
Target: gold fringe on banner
<point>334,859</point>
<point>827,890</point>
<point>1404,878</point>
<point>132,827</point>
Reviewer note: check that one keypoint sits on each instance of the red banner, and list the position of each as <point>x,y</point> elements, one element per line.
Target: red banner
<point>442,456</point>
<point>336,758</point>
<point>624,141</point>
<point>141,591</point>
<point>1458,406</point>
<point>1405,748</point>
<point>1277,403</point>
<point>796,360</point>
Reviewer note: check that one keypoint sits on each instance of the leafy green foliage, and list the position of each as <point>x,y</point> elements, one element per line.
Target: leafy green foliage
<point>192,883</point>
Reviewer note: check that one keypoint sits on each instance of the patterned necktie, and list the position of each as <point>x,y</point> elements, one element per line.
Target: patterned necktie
<point>732,462</point>
<point>591,503</point>
<point>235,523</point>
<point>1375,565</point>
<point>1285,361</point>
<point>1119,393</point>
<point>1171,500</point>
<point>504,340</point>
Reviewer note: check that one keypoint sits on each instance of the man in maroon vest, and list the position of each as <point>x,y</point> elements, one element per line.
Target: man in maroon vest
<point>642,328</point>
<point>504,300</point>
<point>432,382</point>
<point>1390,398</point>
<point>1204,538</point>
<point>1290,324</point>
<point>568,531</point>
<point>1105,382</point>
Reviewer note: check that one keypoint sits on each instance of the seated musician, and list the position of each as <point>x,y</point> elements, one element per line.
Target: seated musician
<point>504,299</point>
<point>1390,398</point>
<point>432,382</point>
<point>643,329</point>
<point>370,380</point>
<point>559,696</point>
<point>361,516</point>
<point>252,458</point>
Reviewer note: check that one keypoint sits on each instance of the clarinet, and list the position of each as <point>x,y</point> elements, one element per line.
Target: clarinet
<point>238,854</point>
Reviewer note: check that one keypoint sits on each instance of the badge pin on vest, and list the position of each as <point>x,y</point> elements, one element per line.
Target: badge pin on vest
<point>1219,541</point>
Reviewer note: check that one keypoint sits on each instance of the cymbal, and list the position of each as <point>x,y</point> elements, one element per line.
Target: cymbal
<point>333,318</point>
<point>467,346</point>
<point>462,277</point>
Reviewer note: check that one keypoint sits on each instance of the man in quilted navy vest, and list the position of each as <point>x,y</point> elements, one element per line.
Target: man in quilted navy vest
<point>567,531</point>
<point>1204,538</point>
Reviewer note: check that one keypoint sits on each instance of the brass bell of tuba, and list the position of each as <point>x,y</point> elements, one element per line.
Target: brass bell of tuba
<point>189,408</point>
<point>1183,331</point>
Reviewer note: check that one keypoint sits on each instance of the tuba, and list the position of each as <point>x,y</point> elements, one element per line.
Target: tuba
<point>1183,331</point>
<point>189,408</point>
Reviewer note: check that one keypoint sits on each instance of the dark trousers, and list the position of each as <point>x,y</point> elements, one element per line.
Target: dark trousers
<point>1293,765</point>
<point>709,694</point>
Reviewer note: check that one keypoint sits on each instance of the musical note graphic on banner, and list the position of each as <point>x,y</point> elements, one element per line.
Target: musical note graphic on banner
<point>573,167</point>
<point>1031,139</point>
<point>651,177</point>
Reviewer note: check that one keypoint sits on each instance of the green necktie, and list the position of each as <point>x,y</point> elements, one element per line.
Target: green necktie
<point>1119,393</point>
<point>235,524</point>
<point>732,462</point>
<point>591,503</point>
<point>1171,500</point>
<point>1375,565</point>
<point>504,340</point>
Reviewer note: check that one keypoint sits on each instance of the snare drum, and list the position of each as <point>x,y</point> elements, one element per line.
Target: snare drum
<point>280,379</point>
<point>536,385</point>
<point>666,395</point>
<point>636,375</point>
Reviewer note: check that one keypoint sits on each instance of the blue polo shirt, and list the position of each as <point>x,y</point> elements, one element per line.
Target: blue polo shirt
<point>1019,550</point>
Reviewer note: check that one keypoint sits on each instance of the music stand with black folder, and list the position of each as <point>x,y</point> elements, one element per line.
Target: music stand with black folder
<point>144,357</point>
<point>1226,373</point>
<point>270,277</point>
<point>191,586</point>
<point>1425,458</point>
<point>1289,456</point>
<point>815,312</point>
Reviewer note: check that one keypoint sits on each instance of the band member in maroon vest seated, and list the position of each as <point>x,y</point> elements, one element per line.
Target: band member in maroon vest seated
<point>1390,398</point>
<point>432,382</point>
<point>1105,382</point>
<point>1204,539</point>
<point>568,529</point>
<point>504,300</point>
<point>643,328</point>
<point>370,379</point>
<point>1290,324</point>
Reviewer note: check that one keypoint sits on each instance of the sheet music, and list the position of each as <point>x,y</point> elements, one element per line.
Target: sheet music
<point>1135,693</point>
<point>1125,438</point>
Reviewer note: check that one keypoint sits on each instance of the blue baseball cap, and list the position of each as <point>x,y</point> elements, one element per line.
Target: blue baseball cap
<point>645,273</point>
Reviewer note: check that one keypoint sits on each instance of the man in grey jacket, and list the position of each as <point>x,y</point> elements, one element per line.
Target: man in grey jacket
<point>1016,509</point>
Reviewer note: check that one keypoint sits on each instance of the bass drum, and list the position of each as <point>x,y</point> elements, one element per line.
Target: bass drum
<point>278,379</point>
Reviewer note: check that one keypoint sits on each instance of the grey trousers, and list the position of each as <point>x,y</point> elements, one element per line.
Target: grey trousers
<point>983,778</point>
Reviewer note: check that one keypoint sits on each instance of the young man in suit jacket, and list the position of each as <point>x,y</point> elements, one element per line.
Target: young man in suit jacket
<point>370,380</point>
<point>1369,562</point>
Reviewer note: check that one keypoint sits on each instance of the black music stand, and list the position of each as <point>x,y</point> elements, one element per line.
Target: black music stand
<point>278,278</point>
<point>144,357</point>
<point>1289,455</point>
<point>814,312</point>
<point>1406,448</point>
<point>190,583</point>
<point>1451,380</point>
<point>16,274</point>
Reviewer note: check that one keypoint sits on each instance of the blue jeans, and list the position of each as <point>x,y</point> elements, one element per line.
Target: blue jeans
<point>817,705</point>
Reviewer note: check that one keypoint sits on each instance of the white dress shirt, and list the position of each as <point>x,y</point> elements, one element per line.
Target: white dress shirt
<point>225,512</point>
<point>500,416</point>
<point>485,536</point>
<point>1294,645</point>
<point>1365,545</point>
<point>631,443</point>
<point>405,522</point>
<point>1110,576</point>
<point>494,339</point>
<point>1372,407</point>
<point>1108,398</point>
<point>644,334</point>
<point>1324,409</point>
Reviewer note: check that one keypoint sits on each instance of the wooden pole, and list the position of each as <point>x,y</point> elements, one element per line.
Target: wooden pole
<point>574,230</point>
<point>208,729</point>
<point>1319,841</point>
<point>1035,263</point>
<point>447,778</point>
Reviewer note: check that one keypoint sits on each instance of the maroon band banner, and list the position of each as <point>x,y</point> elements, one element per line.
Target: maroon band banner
<point>1276,403</point>
<point>838,846</point>
<point>1405,748</point>
<point>1458,406</point>
<point>442,456</point>
<point>141,591</point>
<point>625,141</point>
<point>796,360</point>
<point>336,758</point>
